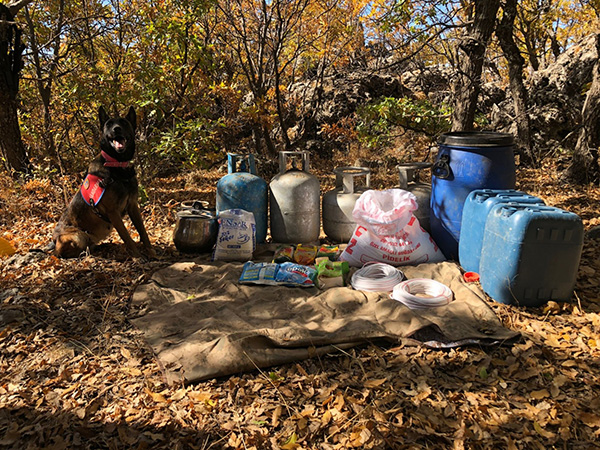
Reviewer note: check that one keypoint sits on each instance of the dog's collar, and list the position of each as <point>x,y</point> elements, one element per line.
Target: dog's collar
<point>112,162</point>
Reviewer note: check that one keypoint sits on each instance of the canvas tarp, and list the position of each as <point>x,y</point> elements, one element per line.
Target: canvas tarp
<point>201,323</point>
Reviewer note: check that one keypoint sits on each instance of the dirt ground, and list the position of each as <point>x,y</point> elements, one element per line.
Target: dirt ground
<point>74,373</point>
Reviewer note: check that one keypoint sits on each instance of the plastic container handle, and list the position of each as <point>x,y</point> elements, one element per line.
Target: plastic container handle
<point>441,168</point>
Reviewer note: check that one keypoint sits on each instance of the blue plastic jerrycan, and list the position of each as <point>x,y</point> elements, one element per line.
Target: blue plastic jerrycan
<point>530,254</point>
<point>475,212</point>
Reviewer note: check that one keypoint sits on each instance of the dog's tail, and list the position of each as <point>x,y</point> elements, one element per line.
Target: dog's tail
<point>48,248</point>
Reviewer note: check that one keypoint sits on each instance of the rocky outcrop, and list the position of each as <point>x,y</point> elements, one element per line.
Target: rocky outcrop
<point>556,96</point>
<point>339,95</point>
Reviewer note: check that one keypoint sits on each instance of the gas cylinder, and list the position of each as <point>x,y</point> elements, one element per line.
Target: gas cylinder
<point>241,188</point>
<point>295,201</point>
<point>409,181</point>
<point>338,203</point>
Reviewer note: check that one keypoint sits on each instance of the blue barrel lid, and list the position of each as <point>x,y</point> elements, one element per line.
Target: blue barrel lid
<point>476,139</point>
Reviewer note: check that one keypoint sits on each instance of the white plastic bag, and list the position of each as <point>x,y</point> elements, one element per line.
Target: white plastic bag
<point>388,232</point>
<point>384,213</point>
<point>236,240</point>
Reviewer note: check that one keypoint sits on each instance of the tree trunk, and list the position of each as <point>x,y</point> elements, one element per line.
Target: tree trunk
<point>473,46</point>
<point>260,136</point>
<point>585,167</point>
<point>516,62</point>
<point>279,102</point>
<point>11,145</point>
<point>44,83</point>
<point>271,149</point>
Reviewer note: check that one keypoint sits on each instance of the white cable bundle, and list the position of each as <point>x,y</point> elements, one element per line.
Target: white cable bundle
<point>437,294</point>
<point>376,277</point>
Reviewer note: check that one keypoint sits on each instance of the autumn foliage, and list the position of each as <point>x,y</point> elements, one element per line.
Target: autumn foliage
<point>211,77</point>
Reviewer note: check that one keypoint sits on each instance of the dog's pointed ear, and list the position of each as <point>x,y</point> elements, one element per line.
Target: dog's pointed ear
<point>131,117</point>
<point>103,116</point>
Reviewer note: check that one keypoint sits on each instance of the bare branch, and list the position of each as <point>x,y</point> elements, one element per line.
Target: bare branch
<point>15,6</point>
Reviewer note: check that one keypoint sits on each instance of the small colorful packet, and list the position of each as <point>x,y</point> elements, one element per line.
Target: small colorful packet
<point>290,274</point>
<point>305,254</point>
<point>331,273</point>
<point>330,251</point>
<point>283,253</point>
<point>285,274</point>
<point>331,268</point>
<point>259,273</point>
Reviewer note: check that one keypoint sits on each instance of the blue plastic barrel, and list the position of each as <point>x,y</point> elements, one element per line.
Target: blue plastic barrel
<point>466,161</point>
<point>530,254</point>
<point>475,212</point>
<point>241,188</point>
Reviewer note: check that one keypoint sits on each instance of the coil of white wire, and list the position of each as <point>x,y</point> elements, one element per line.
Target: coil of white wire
<point>432,293</point>
<point>376,277</point>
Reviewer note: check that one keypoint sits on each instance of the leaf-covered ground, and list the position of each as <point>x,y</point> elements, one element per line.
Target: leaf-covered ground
<point>74,373</point>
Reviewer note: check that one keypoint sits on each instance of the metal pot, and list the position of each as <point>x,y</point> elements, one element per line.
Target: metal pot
<point>194,204</point>
<point>196,230</point>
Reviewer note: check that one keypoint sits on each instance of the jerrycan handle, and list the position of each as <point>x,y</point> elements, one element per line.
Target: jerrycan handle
<point>344,177</point>
<point>284,155</point>
<point>247,163</point>
<point>409,172</point>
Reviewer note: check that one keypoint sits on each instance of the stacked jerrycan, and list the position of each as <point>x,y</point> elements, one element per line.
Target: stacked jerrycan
<point>475,212</point>
<point>525,252</point>
<point>295,199</point>
<point>409,181</point>
<point>530,254</point>
<point>241,188</point>
<point>338,203</point>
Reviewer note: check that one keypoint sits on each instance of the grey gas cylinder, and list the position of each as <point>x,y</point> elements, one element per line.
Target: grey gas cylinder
<point>295,201</point>
<point>409,181</point>
<point>338,203</point>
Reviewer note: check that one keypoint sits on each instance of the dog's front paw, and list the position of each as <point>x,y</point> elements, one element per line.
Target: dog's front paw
<point>150,253</point>
<point>134,253</point>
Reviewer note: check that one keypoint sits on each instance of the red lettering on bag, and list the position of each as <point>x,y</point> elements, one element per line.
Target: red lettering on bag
<point>353,241</point>
<point>351,244</point>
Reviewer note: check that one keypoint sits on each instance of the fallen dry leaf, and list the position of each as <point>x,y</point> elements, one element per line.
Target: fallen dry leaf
<point>72,365</point>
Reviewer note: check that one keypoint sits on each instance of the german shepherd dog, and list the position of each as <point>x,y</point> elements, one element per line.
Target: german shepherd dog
<point>109,190</point>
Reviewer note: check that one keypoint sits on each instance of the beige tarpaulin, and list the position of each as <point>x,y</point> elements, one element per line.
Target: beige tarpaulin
<point>202,323</point>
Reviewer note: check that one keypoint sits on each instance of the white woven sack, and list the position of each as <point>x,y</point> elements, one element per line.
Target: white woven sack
<point>388,231</point>
<point>236,240</point>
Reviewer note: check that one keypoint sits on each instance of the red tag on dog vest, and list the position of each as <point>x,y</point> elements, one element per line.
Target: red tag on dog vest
<point>91,190</point>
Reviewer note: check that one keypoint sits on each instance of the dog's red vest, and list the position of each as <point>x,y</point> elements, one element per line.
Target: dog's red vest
<point>91,190</point>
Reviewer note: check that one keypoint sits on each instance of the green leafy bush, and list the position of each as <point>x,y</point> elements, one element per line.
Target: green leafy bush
<point>379,120</point>
<point>189,143</point>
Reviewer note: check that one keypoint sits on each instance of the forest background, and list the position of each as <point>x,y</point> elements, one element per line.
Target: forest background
<point>256,76</point>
